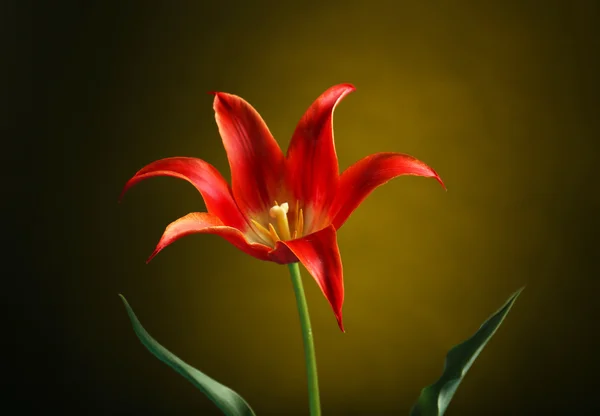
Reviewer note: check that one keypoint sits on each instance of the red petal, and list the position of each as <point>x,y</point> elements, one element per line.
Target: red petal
<point>360,179</point>
<point>282,254</point>
<point>207,180</point>
<point>255,159</point>
<point>202,222</point>
<point>320,255</point>
<point>313,171</point>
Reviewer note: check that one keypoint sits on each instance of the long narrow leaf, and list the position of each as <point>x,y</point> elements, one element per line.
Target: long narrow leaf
<point>434,399</point>
<point>231,403</point>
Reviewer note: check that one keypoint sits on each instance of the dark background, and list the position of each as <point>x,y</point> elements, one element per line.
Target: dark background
<point>501,98</point>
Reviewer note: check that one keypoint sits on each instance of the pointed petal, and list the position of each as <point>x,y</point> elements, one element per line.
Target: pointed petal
<point>202,222</point>
<point>319,253</point>
<point>312,165</point>
<point>360,179</point>
<point>207,180</point>
<point>255,159</point>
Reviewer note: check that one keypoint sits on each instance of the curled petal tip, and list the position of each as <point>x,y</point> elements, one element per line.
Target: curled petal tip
<point>220,95</point>
<point>342,90</point>
<point>154,253</point>
<point>124,191</point>
<point>349,86</point>
<point>121,195</point>
<point>437,178</point>
<point>341,324</point>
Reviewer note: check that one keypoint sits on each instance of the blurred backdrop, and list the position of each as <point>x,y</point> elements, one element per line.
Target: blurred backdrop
<point>501,98</point>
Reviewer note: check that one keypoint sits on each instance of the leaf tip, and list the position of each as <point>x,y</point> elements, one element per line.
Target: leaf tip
<point>125,302</point>
<point>516,294</point>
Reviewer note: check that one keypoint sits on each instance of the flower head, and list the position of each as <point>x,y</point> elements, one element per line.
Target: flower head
<point>281,208</point>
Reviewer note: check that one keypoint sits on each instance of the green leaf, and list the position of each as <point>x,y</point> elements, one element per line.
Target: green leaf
<point>434,399</point>
<point>231,403</point>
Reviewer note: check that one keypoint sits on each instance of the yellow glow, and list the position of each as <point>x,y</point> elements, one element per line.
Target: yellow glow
<point>496,97</point>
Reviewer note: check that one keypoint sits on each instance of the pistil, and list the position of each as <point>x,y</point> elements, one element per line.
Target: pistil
<point>279,213</point>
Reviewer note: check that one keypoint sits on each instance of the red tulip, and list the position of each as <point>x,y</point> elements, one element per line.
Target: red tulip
<point>281,208</point>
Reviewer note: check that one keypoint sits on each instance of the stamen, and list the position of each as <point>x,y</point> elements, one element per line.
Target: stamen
<point>273,233</point>
<point>263,232</point>
<point>279,212</point>
<point>296,219</point>
<point>300,223</point>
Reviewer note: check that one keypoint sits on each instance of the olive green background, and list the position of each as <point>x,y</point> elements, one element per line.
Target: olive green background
<point>501,98</point>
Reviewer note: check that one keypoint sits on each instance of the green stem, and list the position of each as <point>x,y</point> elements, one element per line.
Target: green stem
<point>309,346</point>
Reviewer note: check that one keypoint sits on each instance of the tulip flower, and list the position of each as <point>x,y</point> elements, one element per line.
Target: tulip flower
<point>282,208</point>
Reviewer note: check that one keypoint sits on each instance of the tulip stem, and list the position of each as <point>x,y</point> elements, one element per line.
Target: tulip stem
<point>309,346</point>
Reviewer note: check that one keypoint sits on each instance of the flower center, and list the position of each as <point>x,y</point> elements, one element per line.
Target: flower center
<point>282,218</point>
